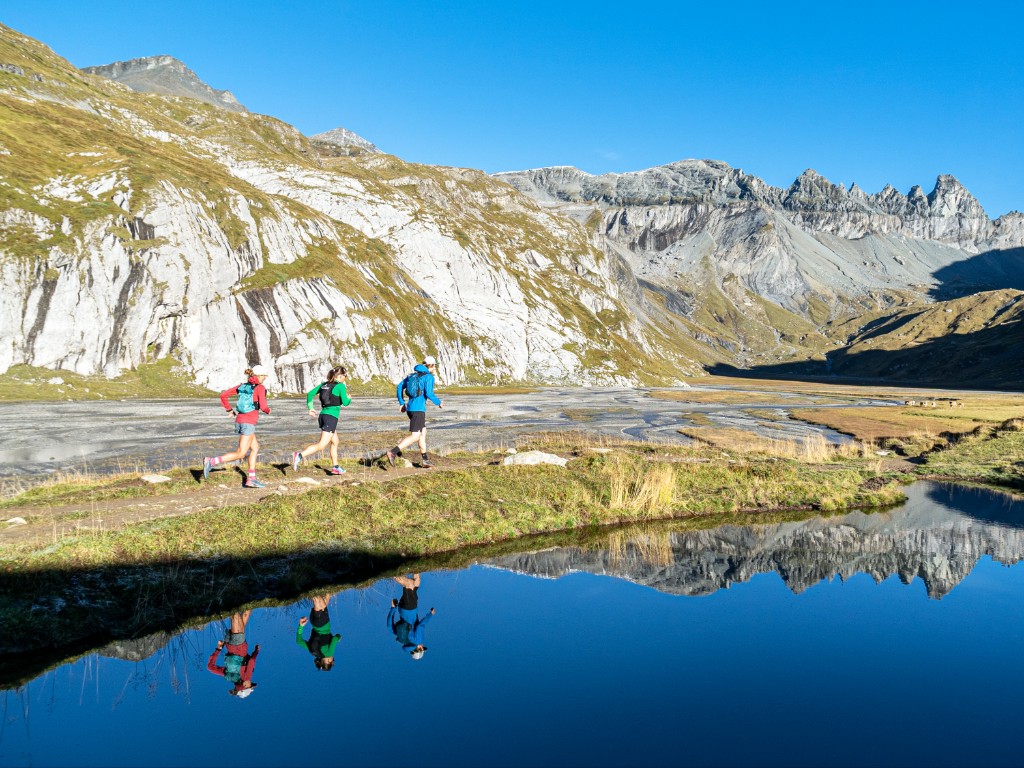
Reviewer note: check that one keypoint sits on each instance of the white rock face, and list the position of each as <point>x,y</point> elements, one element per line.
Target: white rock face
<point>345,139</point>
<point>814,238</point>
<point>103,303</point>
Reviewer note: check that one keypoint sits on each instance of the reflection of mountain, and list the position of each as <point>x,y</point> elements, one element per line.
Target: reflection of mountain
<point>136,649</point>
<point>938,535</point>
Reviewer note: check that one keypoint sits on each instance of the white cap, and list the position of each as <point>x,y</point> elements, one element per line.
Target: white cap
<point>428,360</point>
<point>417,654</point>
<point>260,370</point>
<point>244,692</point>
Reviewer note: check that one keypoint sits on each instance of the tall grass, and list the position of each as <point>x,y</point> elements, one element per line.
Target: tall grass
<point>638,486</point>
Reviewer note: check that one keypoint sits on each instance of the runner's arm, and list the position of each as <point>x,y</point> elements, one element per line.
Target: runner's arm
<point>211,665</point>
<point>260,398</point>
<point>224,398</point>
<point>309,397</point>
<point>342,391</point>
<point>428,390</point>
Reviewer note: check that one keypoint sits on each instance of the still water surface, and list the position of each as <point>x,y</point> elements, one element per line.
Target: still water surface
<point>888,639</point>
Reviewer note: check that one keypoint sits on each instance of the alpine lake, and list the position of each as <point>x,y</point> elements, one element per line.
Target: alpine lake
<point>884,639</point>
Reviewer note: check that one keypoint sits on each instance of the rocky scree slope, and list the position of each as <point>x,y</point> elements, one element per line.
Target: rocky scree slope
<point>137,228</point>
<point>778,269</point>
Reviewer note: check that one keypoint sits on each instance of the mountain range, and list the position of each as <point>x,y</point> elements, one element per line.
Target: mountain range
<point>162,224</point>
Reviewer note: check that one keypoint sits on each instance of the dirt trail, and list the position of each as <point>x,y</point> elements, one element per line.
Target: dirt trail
<point>49,524</point>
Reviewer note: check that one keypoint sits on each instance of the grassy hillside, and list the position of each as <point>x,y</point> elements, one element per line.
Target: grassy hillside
<point>61,128</point>
<point>971,341</point>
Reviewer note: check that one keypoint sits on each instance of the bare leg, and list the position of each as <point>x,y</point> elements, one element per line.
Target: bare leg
<point>239,620</point>
<point>408,440</point>
<point>412,583</point>
<point>320,602</point>
<point>244,443</point>
<point>334,449</point>
<point>254,450</point>
<point>423,441</point>
<point>309,450</point>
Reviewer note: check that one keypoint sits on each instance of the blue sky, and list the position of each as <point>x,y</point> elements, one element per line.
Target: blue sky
<point>868,92</point>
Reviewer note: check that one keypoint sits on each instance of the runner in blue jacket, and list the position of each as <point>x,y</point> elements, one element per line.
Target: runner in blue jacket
<point>418,387</point>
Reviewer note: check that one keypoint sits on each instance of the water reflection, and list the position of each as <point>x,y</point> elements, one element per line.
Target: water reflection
<point>322,643</point>
<point>239,664</point>
<point>601,656</point>
<point>939,535</point>
<point>404,619</point>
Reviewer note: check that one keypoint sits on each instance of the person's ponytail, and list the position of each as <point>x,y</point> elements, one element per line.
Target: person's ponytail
<point>248,372</point>
<point>335,373</point>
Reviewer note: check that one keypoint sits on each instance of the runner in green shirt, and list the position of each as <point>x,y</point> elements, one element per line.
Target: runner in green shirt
<point>333,394</point>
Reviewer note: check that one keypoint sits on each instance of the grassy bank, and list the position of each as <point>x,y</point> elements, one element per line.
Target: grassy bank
<point>914,429</point>
<point>988,454</point>
<point>430,513</point>
<point>80,592</point>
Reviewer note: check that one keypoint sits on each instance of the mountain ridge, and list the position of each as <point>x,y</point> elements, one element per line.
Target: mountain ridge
<point>172,229</point>
<point>176,229</point>
<point>166,75</point>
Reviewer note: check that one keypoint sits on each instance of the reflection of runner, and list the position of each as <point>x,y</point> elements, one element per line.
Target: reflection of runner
<point>333,395</point>
<point>238,663</point>
<point>404,620</point>
<point>252,398</point>
<point>321,642</point>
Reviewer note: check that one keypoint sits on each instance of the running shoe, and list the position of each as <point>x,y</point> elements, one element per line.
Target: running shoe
<point>252,482</point>
<point>337,471</point>
<point>391,457</point>
<point>206,468</point>
<point>425,464</point>
<point>296,460</point>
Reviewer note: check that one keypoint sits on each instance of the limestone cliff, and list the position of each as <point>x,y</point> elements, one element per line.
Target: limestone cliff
<point>137,228</point>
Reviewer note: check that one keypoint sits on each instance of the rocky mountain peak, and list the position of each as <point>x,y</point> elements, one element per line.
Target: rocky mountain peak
<point>813,192</point>
<point>950,197</point>
<point>167,75</point>
<point>341,141</point>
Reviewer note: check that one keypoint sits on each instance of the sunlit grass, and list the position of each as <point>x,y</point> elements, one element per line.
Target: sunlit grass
<point>443,511</point>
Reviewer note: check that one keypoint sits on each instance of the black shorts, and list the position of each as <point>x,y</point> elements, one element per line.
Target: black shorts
<point>327,422</point>
<point>417,420</point>
<point>319,618</point>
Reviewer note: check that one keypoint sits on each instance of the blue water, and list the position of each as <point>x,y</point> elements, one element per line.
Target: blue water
<point>590,669</point>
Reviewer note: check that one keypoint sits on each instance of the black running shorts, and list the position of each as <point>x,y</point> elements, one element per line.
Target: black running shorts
<point>327,422</point>
<point>417,420</point>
